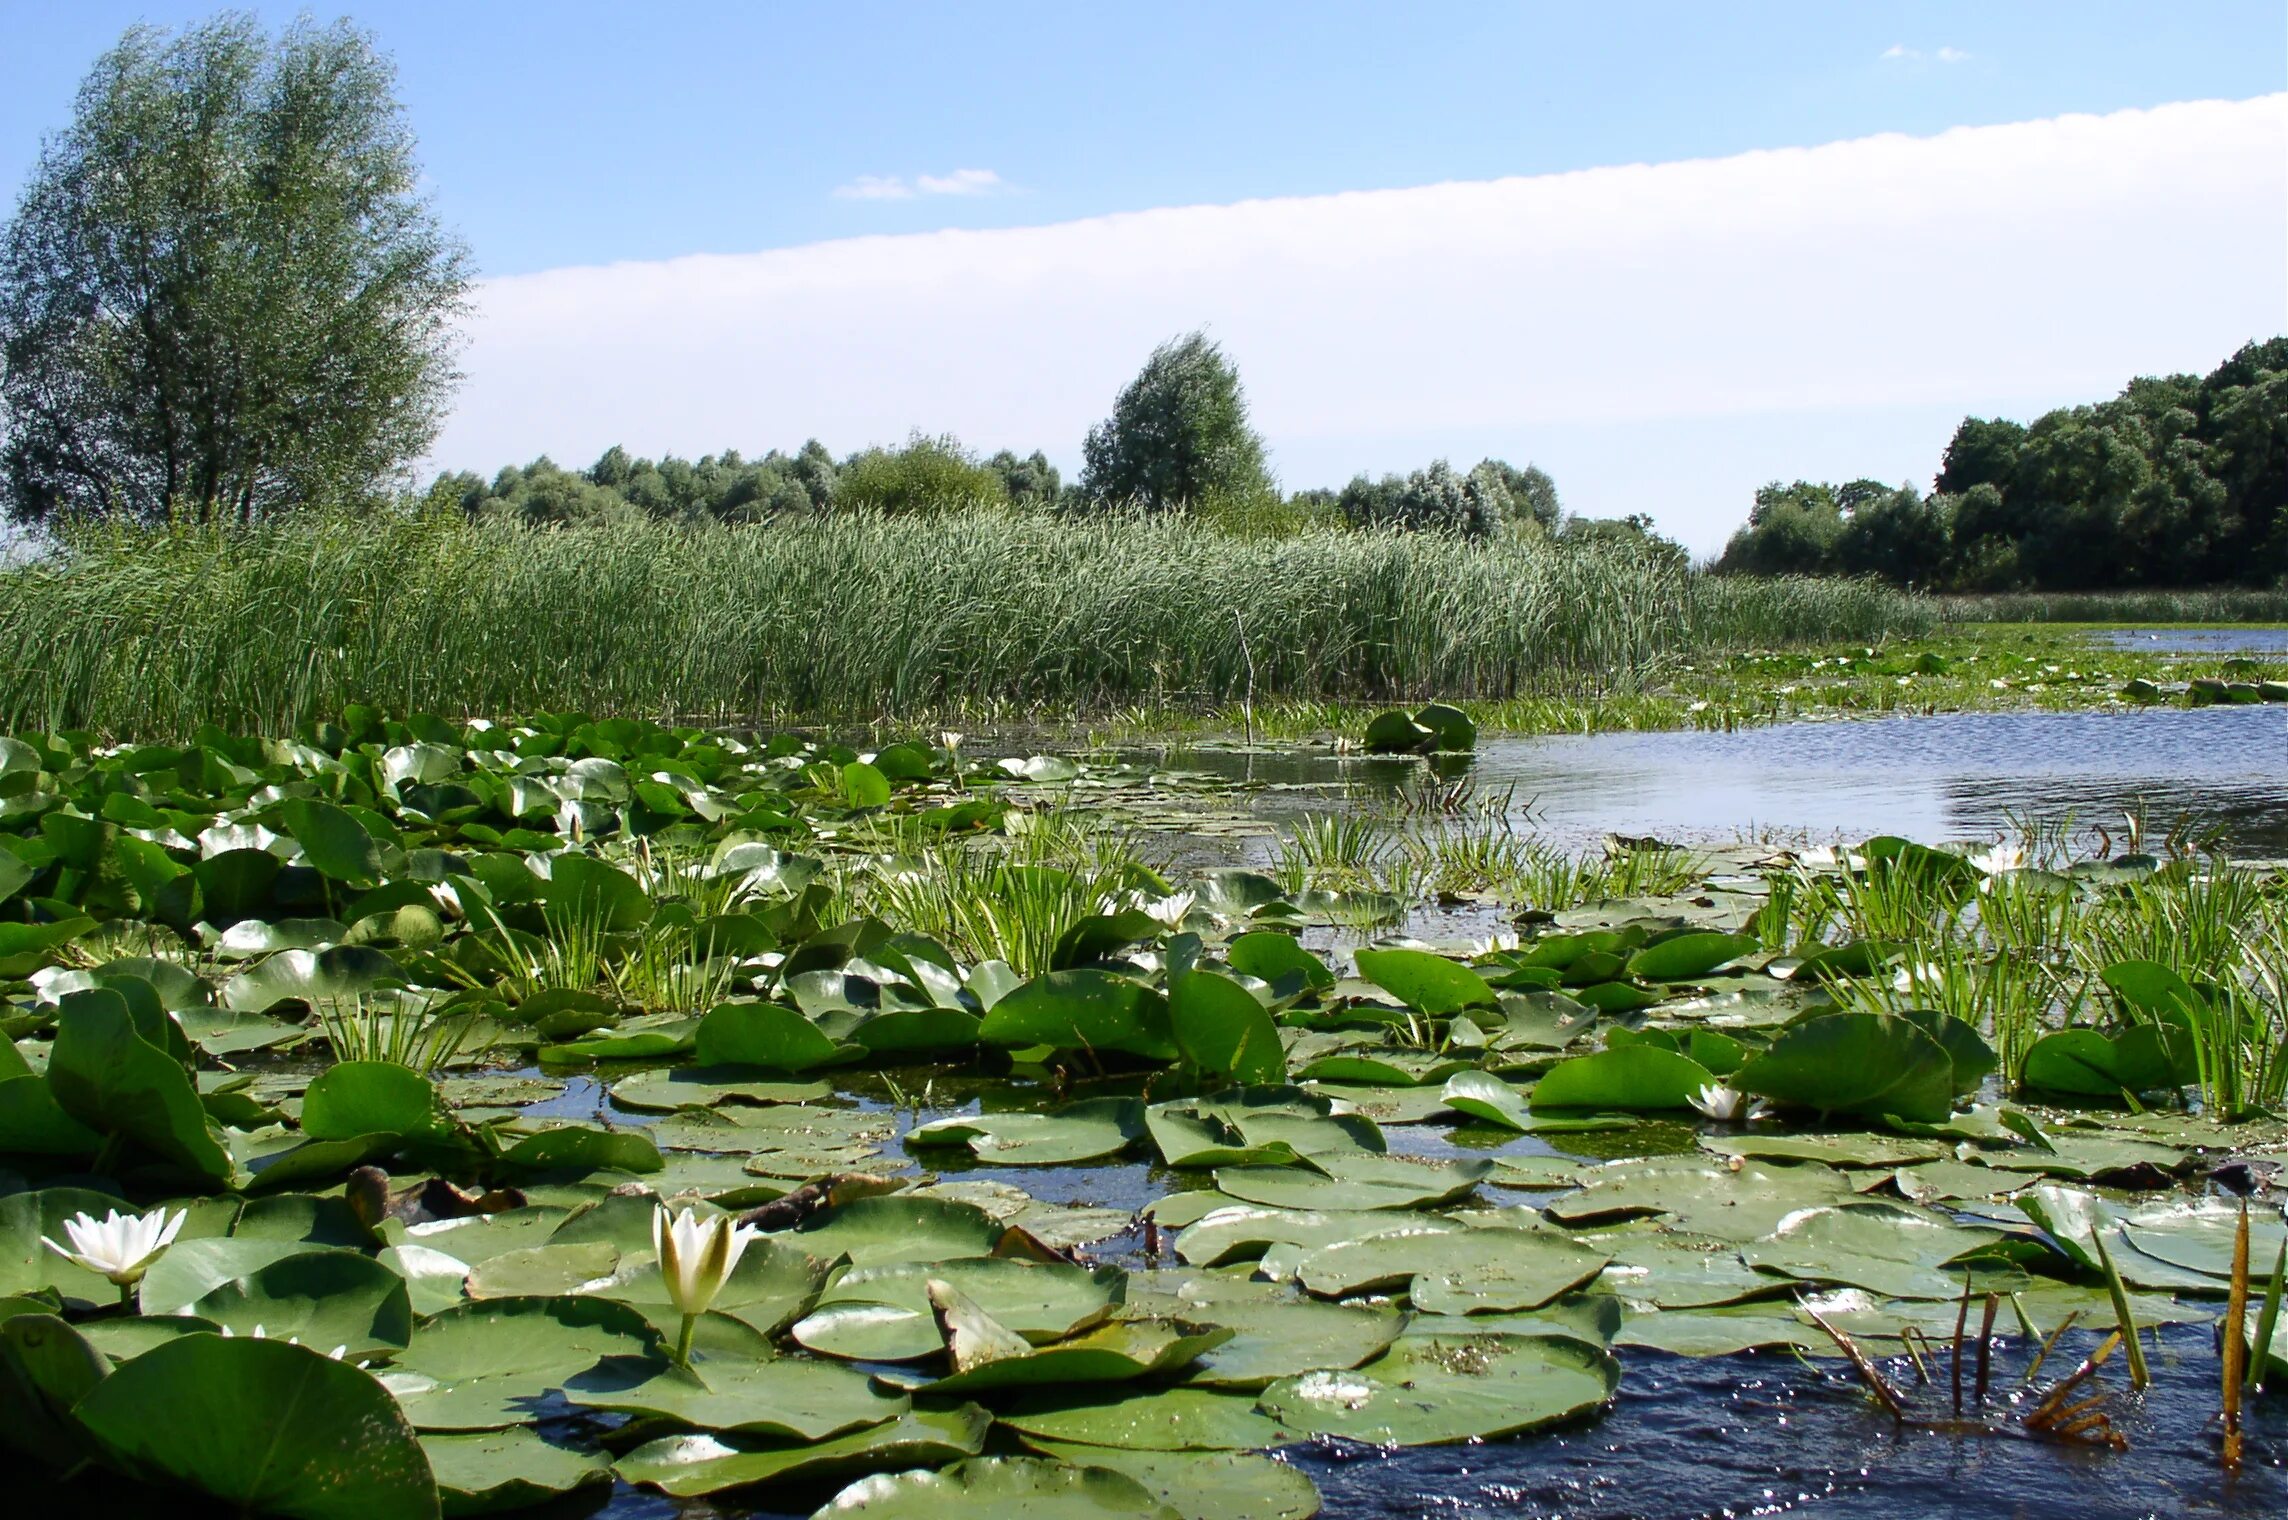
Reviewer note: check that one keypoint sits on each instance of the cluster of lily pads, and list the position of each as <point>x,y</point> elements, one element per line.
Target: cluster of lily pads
<point>410,1117</point>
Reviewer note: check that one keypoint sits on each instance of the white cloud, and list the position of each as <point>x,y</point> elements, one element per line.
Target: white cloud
<point>962,182</point>
<point>1900,52</point>
<point>1950,55</point>
<point>1599,321</point>
<point>892,187</point>
<point>875,187</point>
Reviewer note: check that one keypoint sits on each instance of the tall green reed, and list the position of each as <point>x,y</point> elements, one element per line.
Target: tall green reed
<point>153,632</point>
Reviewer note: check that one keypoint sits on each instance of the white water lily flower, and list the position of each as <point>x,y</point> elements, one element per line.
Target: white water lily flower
<point>1727,1105</point>
<point>696,1256</point>
<point>1171,911</point>
<point>2000,858</point>
<point>120,1246</point>
<point>1917,977</point>
<point>1500,939</point>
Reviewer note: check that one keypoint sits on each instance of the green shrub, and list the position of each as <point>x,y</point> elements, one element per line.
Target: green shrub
<point>927,475</point>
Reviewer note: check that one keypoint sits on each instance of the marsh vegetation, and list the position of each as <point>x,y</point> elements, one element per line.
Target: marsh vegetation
<point>1064,1176</point>
<point>156,631</point>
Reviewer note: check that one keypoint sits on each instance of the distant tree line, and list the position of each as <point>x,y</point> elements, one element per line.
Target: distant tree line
<point>2179,481</point>
<point>926,474</point>
<point>1178,440</point>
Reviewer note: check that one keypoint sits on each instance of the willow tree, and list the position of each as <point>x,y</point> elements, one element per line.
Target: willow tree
<point>223,293</point>
<point>1178,435</point>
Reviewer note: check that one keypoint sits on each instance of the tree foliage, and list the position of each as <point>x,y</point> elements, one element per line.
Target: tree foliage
<point>1178,435</point>
<point>223,292</point>
<point>1431,500</point>
<point>927,475</point>
<point>725,487</point>
<point>2178,481</point>
<point>1031,481</point>
<point>1532,494</point>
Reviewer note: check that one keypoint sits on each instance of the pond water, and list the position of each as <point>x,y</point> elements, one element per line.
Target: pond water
<point>1764,1434</point>
<point>1760,1433</point>
<point>1955,776</point>
<point>2217,641</point>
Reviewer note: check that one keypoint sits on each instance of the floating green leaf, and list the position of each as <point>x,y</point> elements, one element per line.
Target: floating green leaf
<point>1022,1488</point>
<point>263,1426</point>
<point>1429,983</point>
<point>1856,1063</point>
<point>691,1465</point>
<point>1433,1390</point>
<point>1635,1078</point>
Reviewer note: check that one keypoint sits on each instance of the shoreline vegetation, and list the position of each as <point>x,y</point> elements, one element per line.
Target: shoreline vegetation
<point>1109,627</point>
<point>153,632</point>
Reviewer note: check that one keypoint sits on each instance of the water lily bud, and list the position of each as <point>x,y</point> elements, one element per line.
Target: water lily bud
<point>696,1256</point>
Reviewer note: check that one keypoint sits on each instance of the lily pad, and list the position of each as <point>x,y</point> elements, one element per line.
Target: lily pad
<point>1683,957</point>
<point>882,1313</point>
<point>1166,1419</point>
<point>873,1231</point>
<point>763,1035</point>
<point>1032,1488</point>
<point>1354,1182</point>
<point>481,1366</point>
<point>1857,1063</point>
<point>1439,1389</point>
<point>1239,1232</point>
<point>496,1470</point>
<point>1722,1332</point>
<point>1221,1029</point>
<point>1701,1197</point>
<point>1276,1340</point>
<point>1205,1485</point>
<point>1085,1131</point>
<point>1637,1078</point>
<point>1429,983</point>
<point>265,1427</point>
<point>1119,1352</point>
<point>1898,1252</point>
<point>702,1086</point>
<point>690,1465</point>
<point>1083,1009</point>
<point>326,1298</point>
<point>1457,1271</point>
<point>786,1398</point>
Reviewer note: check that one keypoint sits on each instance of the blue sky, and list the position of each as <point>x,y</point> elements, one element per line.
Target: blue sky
<point>574,134</point>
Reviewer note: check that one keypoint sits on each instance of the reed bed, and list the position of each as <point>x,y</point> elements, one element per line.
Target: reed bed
<point>2220,605</point>
<point>139,632</point>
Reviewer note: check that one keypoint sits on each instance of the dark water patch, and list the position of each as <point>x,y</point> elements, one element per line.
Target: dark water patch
<point>1766,1434</point>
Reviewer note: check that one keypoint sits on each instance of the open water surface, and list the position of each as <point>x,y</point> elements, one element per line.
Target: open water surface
<point>1947,777</point>
<point>2218,641</point>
